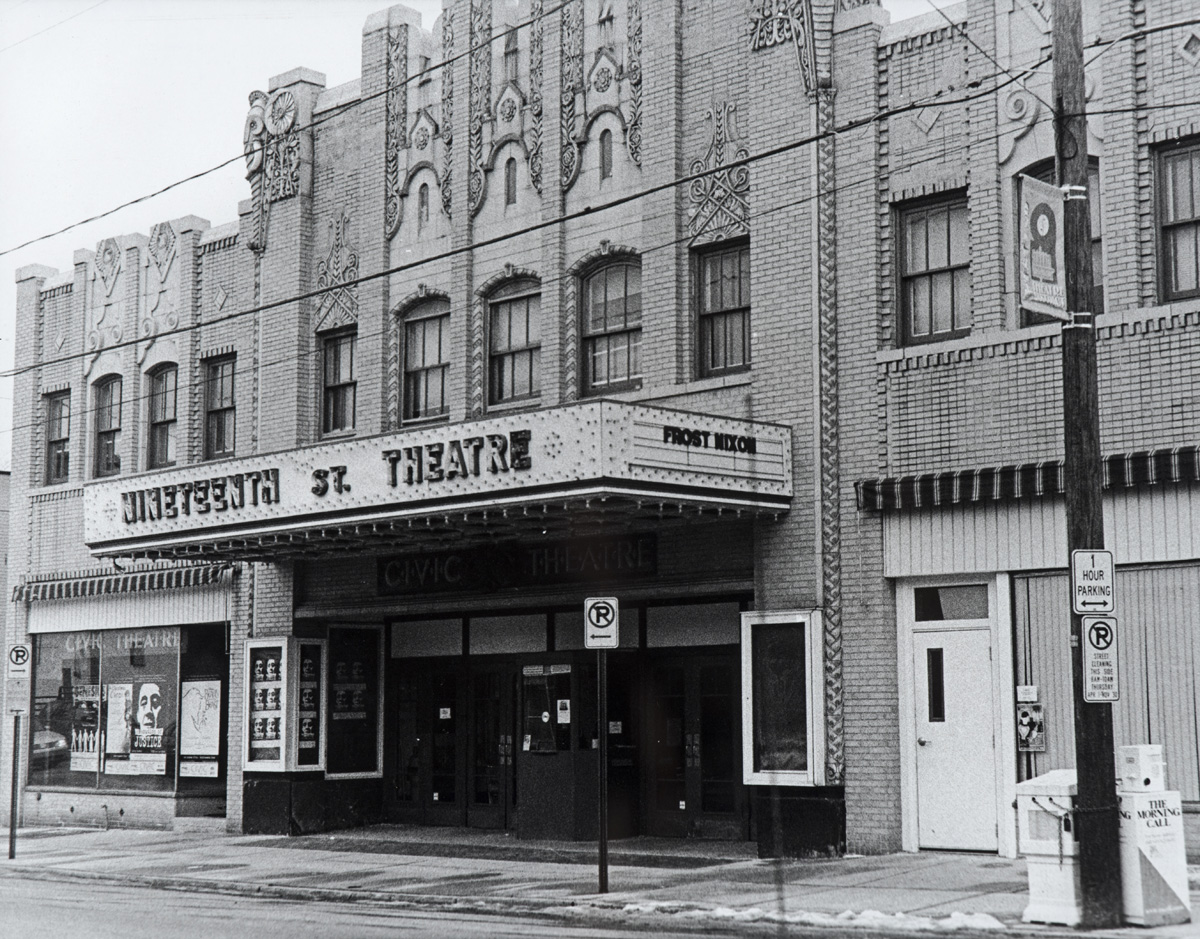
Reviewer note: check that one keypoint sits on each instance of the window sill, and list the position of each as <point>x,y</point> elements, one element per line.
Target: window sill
<point>520,404</point>
<point>696,386</point>
<point>413,423</point>
<point>337,435</point>
<point>89,790</point>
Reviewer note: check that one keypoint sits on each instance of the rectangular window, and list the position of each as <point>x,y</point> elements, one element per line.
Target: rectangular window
<point>516,349</point>
<point>58,437</point>
<point>935,275</point>
<point>110,711</point>
<point>355,743</point>
<point>936,682</point>
<point>219,410</point>
<point>426,366</point>
<point>723,293</point>
<point>340,392</point>
<point>783,711</point>
<point>163,394</point>
<point>108,427</point>
<point>937,604</point>
<point>1179,172</point>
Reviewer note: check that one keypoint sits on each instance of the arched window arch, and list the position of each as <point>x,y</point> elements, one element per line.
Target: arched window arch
<point>108,425</point>
<point>612,327</point>
<point>160,438</point>
<point>606,154</point>
<point>510,181</point>
<point>426,332</point>
<point>422,206</point>
<point>514,341</point>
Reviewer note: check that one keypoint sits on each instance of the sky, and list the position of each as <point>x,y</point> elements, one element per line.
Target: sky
<point>105,101</point>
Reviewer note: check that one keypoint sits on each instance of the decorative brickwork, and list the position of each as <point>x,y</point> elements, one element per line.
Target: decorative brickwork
<point>447,122</point>
<point>480,100</point>
<point>337,275</point>
<point>536,37</point>
<point>719,201</point>
<point>633,74</point>
<point>571,83</point>
<point>776,22</point>
<point>397,121</point>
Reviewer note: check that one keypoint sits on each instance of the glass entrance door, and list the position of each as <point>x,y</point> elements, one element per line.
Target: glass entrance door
<point>694,744</point>
<point>491,784</point>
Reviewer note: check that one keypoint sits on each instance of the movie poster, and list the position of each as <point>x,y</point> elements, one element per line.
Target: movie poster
<point>85,728</point>
<point>151,735</point>
<point>118,736</point>
<point>200,719</point>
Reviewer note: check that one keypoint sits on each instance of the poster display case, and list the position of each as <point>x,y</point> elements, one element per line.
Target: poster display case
<point>284,718</point>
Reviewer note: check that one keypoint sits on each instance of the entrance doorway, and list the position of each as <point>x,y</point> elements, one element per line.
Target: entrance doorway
<point>455,752</point>
<point>693,745</point>
<point>955,711</point>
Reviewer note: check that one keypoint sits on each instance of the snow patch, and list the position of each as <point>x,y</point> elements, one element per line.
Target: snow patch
<point>872,918</point>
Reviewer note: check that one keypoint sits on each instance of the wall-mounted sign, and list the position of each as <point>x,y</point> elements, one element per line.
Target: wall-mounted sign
<point>1031,728</point>
<point>601,447</point>
<point>503,567</point>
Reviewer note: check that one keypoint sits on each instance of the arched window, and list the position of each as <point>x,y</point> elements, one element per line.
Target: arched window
<point>426,360</point>
<point>612,328</point>
<point>606,154</point>
<point>510,181</point>
<point>108,426</point>
<point>160,444</point>
<point>422,206</point>
<point>514,342</point>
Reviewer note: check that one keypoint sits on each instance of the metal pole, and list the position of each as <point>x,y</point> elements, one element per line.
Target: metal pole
<point>602,695</point>
<point>1096,819</point>
<point>16,775</point>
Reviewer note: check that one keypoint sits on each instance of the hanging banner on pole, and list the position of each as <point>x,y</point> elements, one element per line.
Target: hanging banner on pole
<point>1043,266</point>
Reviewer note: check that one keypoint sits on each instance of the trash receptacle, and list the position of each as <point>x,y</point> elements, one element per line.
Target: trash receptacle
<point>1046,837</point>
<point>1154,881</point>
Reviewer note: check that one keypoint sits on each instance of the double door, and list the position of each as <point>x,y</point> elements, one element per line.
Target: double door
<point>456,753</point>
<point>694,747</point>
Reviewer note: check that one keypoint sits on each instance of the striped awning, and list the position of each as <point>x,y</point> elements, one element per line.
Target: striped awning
<point>1173,466</point>
<point>100,582</point>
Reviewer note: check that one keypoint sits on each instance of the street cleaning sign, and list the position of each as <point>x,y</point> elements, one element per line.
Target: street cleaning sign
<point>1093,589</point>
<point>1101,667</point>
<point>1042,268</point>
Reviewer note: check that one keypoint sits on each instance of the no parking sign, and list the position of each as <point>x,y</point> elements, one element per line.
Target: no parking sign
<point>601,623</point>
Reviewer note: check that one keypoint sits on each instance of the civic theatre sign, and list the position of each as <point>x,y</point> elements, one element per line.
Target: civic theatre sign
<point>600,448</point>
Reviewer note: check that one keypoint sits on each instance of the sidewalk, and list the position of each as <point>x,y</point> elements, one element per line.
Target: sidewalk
<point>649,878</point>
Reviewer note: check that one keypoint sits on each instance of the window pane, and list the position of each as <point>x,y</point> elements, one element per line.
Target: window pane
<point>935,682</point>
<point>744,276</point>
<point>780,696</point>
<point>1179,181</point>
<point>918,305</point>
<point>939,239</point>
<point>533,320</point>
<point>943,302</point>
<point>960,236</point>
<point>962,299</point>
<point>1183,258</point>
<point>915,244</point>
<point>633,299</point>
<point>67,736</point>
<point>935,604</point>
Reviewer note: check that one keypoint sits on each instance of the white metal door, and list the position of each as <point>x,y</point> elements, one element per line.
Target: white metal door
<point>956,749</point>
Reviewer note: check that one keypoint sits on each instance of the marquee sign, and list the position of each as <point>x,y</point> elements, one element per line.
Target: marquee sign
<point>605,447</point>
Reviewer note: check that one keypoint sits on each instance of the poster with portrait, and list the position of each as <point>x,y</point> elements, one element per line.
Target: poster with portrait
<point>1031,728</point>
<point>200,718</point>
<point>151,731</point>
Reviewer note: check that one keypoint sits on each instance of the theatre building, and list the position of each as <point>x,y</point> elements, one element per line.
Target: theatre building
<point>313,500</point>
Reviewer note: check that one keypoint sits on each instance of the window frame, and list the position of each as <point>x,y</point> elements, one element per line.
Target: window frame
<point>1172,151</point>
<point>949,202</point>
<point>516,290</point>
<point>160,423</point>
<point>107,433</point>
<point>810,621</point>
<point>424,313</point>
<point>705,318</point>
<point>57,446</point>
<point>225,412</point>
<point>333,392</point>
<point>510,181</point>
<point>606,154</point>
<point>588,337</point>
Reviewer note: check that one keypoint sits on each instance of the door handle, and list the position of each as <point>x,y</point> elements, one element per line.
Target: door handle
<point>921,741</point>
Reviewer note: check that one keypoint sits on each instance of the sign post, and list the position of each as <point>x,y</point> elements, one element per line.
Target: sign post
<point>601,631</point>
<point>16,775</point>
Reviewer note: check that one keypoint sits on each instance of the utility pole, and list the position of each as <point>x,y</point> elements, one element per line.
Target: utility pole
<point>1096,819</point>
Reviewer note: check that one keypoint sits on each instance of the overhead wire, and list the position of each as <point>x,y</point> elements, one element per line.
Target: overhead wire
<point>548,281</point>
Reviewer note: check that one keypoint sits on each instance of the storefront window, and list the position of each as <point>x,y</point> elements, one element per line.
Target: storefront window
<point>783,715</point>
<point>354,740</point>
<point>107,707</point>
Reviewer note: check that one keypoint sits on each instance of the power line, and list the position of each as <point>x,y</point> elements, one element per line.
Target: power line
<point>47,29</point>
<point>552,280</point>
